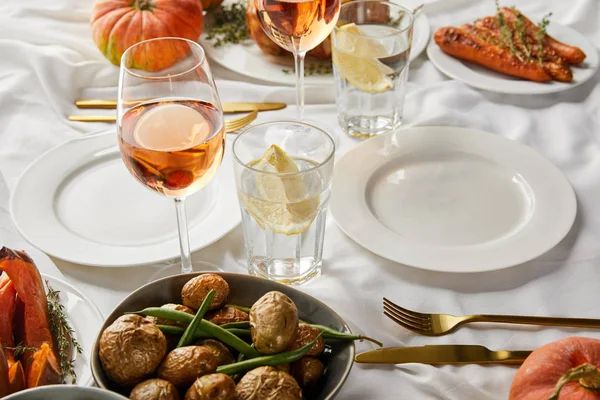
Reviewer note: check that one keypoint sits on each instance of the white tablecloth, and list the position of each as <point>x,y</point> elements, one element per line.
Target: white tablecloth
<point>47,59</point>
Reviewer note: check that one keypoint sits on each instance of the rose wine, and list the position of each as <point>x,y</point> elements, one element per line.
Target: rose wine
<point>298,24</point>
<point>174,146</point>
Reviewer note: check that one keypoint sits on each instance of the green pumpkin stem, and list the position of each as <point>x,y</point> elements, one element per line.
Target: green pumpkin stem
<point>587,375</point>
<point>142,4</point>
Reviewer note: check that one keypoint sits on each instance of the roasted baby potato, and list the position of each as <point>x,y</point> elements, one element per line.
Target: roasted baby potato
<point>220,351</point>
<point>304,335</point>
<point>227,314</point>
<point>131,349</point>
<point>196,289</point>
<point>174,307</point>
<point>266,383</point>
<point>273,322</point>
<point>307,371</point>
<point>182,366</point>
<point>154,389</point>
<point>212,387</point>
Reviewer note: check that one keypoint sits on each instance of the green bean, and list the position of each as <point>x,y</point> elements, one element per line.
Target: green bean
<point>171,330</point>
<point>188,335</point>
<point>241,308</point>
<point>330,333</point>
<point>241,325</point>
<point>198,334</point>
<point>272,360</point>
<point>206,326</point>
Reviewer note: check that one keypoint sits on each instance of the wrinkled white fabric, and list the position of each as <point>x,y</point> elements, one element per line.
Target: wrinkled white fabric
<point>47,60</point>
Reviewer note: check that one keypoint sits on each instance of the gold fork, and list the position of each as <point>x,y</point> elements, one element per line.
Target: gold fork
<point>442,324</point>
<point>231,125</point>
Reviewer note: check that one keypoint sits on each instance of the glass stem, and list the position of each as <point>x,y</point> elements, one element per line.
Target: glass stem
<point>299,60</point>
<point>184,239</point>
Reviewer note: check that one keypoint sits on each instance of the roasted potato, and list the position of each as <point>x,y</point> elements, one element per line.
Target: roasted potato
<point>284,368</point>
<point>273,322</point>
<point>227,314</point>
<point>266,383</point>
<point>196,289</point>
<point>304,335</point>
<point>307,371</point>
<point>131,349</point>
<point>182,366</point>
<point>221,352</point>
<point>154,389</point>
<point>174,307</point>
<point>212,387</point>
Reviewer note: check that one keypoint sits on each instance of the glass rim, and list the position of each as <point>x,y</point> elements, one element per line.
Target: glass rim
<point>320,165</point>
<point>336,28</point>
<point>167,76</point>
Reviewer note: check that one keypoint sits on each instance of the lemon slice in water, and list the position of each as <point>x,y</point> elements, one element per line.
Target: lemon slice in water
<point>356,57</point>
<point>282,205</point>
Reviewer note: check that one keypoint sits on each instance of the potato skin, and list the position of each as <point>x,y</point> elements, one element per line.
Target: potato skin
<point>174,307</point>
<point>220,351</point>
<point>131,349</point>
<point>182,366</point>
<point>267,383</point>
<point>227,314</point>
<point>154,389</point>
<point>212,387</point>
<point>196,289</point>
<point>273,322</point>
<point>307,371</point>
<point>304,335</point>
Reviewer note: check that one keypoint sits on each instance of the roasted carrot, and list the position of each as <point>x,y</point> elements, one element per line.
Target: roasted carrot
<point>35,329</point>
<point>4,382</point>
<point>464,45</point>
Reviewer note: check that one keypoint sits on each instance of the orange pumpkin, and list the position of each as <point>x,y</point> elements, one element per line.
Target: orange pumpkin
<point>566,369</point>
<point>119,24</point>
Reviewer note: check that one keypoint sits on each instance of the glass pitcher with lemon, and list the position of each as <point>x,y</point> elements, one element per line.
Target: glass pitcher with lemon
<point>283,183</point>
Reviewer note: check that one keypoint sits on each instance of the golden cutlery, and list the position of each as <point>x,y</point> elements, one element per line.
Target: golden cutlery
<point>231,125</point>
<point>443,354</point>
<point>228,107</point>
<point>441,324</point>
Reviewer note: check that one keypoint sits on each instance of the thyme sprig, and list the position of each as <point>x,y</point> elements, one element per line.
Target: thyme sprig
<point>541,35</point>
<point>63,334</point>
<point>228,25</point>
<point>20,349</point>
<point>313,69</point>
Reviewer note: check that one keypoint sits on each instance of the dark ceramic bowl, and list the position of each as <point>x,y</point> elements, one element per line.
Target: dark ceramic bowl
<point>245,290</point>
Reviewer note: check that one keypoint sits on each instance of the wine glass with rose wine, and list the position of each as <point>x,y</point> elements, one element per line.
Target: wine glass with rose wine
<point>298,26</point>
<point>170,123</point>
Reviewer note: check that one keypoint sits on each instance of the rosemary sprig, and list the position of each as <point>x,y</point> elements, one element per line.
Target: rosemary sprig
<point>228,25</point>
<point>63,334</point>
<point>20,349</point>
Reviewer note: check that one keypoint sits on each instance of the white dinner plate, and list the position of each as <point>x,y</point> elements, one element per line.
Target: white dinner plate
<point>483,78</point>
<point>248,59</point>
<point>451,199</point>
<point>85,319</point>
<point>78,202</point>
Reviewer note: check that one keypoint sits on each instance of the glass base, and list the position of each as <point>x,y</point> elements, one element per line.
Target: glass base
<point>175,269</point>
<point>365,127</point>
<point>287,270</point>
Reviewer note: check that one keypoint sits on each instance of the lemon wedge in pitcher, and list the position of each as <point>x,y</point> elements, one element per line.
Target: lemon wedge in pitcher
<point>357,58</point>
<point>282,204</point>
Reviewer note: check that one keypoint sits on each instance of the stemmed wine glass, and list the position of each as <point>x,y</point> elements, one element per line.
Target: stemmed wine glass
<point>298,26</point>
<point>170,122</point>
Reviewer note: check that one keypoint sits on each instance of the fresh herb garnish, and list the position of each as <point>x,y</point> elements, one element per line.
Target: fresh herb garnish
<point>314,69</point>
<point>228,25</point>
<point>63,334</point>
<point>20,349</point>
<point>541,35</point>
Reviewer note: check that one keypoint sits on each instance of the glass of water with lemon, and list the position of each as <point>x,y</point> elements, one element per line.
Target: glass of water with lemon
<point>370,51</point>
<point>283,181</point>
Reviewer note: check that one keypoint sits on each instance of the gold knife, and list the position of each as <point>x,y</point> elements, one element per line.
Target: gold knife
<point>228,107</point>
<point>443,354</point>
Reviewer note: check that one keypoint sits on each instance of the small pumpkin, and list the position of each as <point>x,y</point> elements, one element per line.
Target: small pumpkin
<point>567,369</point>
<point>119,24</point>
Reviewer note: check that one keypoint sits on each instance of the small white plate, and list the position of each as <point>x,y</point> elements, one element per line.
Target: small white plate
<point>248,59</point>
<point>85,319</point>
<point>78,202</point>
<point>483,78</point>
<point>451,199</point>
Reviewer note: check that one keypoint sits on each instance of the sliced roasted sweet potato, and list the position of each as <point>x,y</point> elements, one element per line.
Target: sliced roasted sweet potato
<point>44,369</point>
<point>4,382</point>
<point>7,312</point>
<point>33,330</point>
<point>16,377</point>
